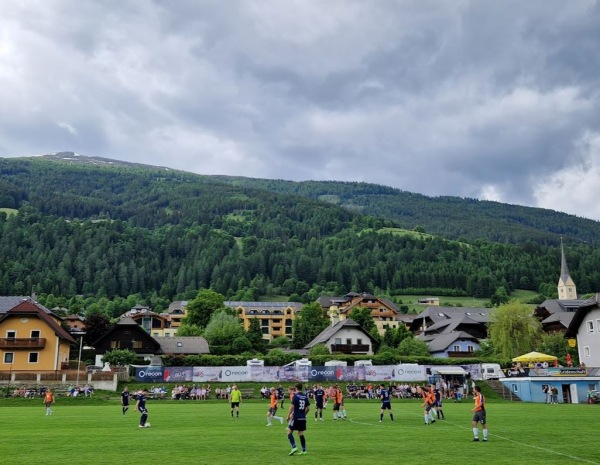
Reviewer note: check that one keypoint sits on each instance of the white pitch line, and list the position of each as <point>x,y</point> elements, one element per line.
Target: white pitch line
<point>531,446</point>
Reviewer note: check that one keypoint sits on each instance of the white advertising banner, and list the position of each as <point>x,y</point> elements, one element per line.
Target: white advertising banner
<point>233,374</point>
<point>410,372</point>
<point>207,374</point>
<point>380,373</point>
<point>265,374</point>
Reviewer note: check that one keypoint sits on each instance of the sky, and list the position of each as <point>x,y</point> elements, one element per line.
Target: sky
<point>496,100</point>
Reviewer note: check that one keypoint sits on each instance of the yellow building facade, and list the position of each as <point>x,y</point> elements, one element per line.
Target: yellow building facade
<point>31,339</point>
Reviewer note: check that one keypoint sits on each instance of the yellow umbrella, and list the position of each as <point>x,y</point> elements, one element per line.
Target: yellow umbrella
<point>534,357</point>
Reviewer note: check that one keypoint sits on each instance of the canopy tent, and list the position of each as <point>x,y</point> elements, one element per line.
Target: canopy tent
<point>449,370</point>
<point>534,357</point>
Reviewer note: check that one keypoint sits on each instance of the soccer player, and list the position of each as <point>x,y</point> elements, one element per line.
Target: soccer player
<point>140,406</point>
<point>438,403</point>
<point>280,395</point>
<point>297,419</point>
<point>337,399</point>
<point>479,415</point>
<point>319,394</point>
<point>235,397</point>
<point>125,399</point>
<point>273,408</point>
<point>386,403</point>
<point>342,412</point>
<point>48,399</point>
<point>428,401</point>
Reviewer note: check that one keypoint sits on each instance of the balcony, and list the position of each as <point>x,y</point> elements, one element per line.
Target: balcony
<point>460,354</point>
<point>22,343</point>
<point>351,348</point>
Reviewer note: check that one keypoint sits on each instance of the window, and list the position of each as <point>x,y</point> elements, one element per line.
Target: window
<point>35,334</point>
<point>338,341</point>
<point>470,348</point>
<point>586,351</point>
<point>11,334</point>
<point>180,344</point>
<point>9,357</point>
<point>34,357</point>
<point>115,344</point>
<point>456,348</point>
<point>514,388</point>
<point>359,342</point>
<point>349,341</point>
<point>590,326</point>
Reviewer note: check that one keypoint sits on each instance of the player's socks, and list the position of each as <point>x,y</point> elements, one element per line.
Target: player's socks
<point>476,433</point>
<point>426,419</point>
<point>391,417</point>
<point>291,439</point>
<point>232,414</point>
<point>485,435</point>
<point>381,417</point>
<point>303,442</point>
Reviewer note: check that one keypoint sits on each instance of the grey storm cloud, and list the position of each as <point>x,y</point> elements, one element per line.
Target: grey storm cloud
<point>494,100</point>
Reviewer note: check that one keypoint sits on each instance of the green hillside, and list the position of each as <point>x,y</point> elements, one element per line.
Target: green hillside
<point>104,229</point>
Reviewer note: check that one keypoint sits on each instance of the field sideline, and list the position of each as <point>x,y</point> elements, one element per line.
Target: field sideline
<point>204,433</point>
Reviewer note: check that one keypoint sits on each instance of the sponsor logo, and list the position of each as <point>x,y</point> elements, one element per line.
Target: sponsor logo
<point>235,373</point>
<point>409,372</point>
<point>150,374</point>
<point>321,372</point>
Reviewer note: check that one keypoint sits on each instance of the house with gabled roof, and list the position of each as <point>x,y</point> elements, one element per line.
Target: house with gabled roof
<point>585,328</point>
<point>128,334</point>
<point>452,331</point>
<point>31,337</point>
<point>345,336</point>
<point>383,311</point>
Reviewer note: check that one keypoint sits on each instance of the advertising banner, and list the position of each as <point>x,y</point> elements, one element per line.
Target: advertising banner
<point>178,374</point>
<point>380,373</point>
<point>235,374</point>
<point>336,373</point>
<point>149,374</point>
<point>410,372</point>
<point>293,373</point>
<point>265,374</point>
<point>206,374</point>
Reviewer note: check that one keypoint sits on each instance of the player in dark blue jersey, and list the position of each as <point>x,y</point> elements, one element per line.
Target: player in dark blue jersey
<point>297,419</point>
<point>319,394</point>
<point>438,404</point>
<point>386,402</point>
<point>125,399</point>
<point>140,406</point>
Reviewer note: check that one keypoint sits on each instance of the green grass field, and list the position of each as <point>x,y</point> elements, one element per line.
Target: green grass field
<point>83,431</point>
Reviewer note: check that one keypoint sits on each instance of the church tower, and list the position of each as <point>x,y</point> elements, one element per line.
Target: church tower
<point>566,286</point>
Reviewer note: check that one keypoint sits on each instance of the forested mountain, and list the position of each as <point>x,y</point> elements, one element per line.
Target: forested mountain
<point>100,228</point>
<point>451,217</point>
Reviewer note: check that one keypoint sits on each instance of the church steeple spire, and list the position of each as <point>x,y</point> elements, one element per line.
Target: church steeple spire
<point>566,287</point>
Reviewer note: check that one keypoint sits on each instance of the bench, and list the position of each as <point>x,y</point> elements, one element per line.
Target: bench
<point>247,393</point>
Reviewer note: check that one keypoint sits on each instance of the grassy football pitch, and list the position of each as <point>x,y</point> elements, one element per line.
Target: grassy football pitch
<point>185,432</point>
